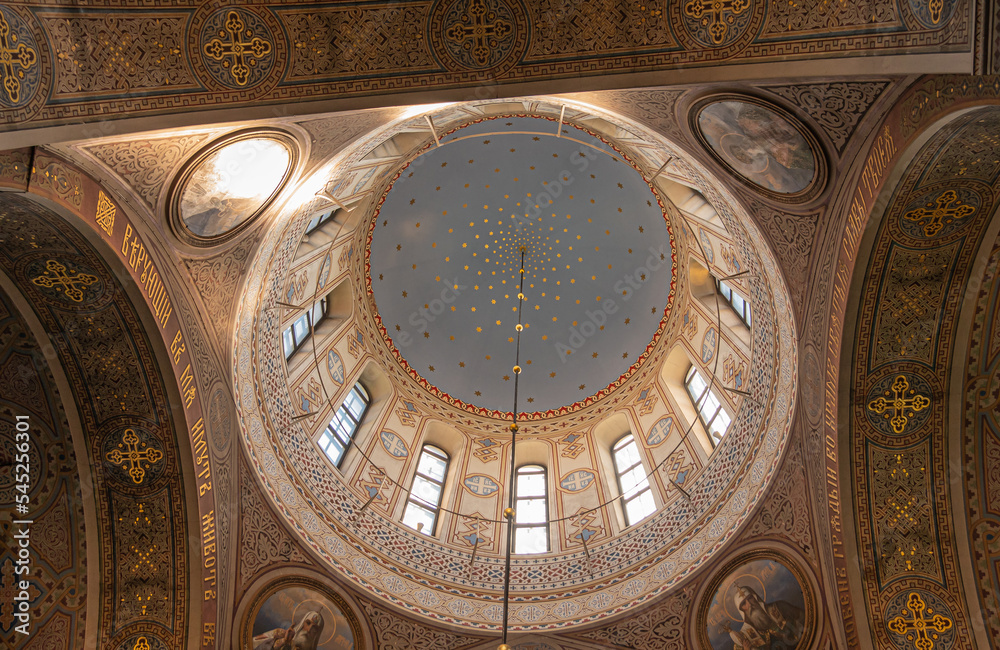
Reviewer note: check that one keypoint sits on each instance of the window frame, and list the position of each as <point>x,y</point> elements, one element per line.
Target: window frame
<point>344,439</point>
<point>419,502</point>
<point>545,501</point>
<point>309,315</point>
<point>702,399</point>
<point>620,472</point>
<point>726,290</point>
<point>317,222</point>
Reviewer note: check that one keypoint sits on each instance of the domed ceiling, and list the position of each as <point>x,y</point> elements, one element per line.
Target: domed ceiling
<point>445,256</point>
<point>431,264</point>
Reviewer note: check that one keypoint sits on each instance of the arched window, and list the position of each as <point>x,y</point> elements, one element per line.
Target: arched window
<point>531,511</point>
<point>299,331</point>
<point>336,438</point>
<point>424,502</point>
<point>637,497</point>
<point>708,404</point>
<point>735,300</point>
<point>318,220</point>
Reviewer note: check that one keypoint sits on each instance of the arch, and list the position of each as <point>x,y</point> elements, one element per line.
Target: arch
<point>878,242</point>
<point>138,344</point>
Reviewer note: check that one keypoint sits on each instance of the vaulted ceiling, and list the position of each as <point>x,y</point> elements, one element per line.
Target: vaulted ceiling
<point>176,492</point>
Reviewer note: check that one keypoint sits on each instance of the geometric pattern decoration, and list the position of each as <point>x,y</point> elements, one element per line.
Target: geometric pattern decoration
<point>364,49</point>
<point>105,216</point>
<point>981,441</point>
<point>58,552</point>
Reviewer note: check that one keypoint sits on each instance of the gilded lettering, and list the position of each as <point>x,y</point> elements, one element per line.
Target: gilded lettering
<point>128,233</point>
<point>177,348</point>
<point>188,388</point>
<point>208,638</point>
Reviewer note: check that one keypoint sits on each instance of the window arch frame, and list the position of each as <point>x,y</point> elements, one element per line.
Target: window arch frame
<point>419,502</point>
<point>732,296</point>
<point>620,472</point>
<point>706,392</point>
<point>518,498</point>
<point>311,319</point>
<point>335,437</point>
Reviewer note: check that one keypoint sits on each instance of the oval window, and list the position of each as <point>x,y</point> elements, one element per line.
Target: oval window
<point>232,183</point>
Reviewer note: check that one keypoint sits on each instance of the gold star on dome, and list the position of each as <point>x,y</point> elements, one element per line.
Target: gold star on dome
<point>640,229</point>
<point>431,368</point>
<point>582,386</point>
<point>506,377</point>
<point>628,320</point>
<point>427,335</point>
<point>412,201</point>
<point>531,399</point>
<point>620,186</point>
<point>535,138</point>
<point>552,374</point>
<point>652,310</point>
<point>461,364</point>
<point>624,355</point>
<point>486,141</point>
<point>594,355</point>
<point>478,393</point>
<point>444,164</point>
<point>404,294</point>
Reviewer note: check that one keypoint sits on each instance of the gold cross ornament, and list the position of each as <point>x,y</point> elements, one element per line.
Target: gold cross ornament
<point>15,58</point>
<point>479,32</point>
<point>923,630</point>
<point>715,11</point>
<point>134,456</point>
<point>57,275</point>
<point>900,404</point>
<point>947,209</point>
<point>244,53</point>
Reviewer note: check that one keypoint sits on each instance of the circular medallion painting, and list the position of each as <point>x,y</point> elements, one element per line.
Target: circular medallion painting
<point>231,183</point>
<point>445,257</point>
<point>761,146</point>
<point>300,617</point>
<point>759,603</point>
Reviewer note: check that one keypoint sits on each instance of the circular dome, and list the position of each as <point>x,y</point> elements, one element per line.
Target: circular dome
<point>445,256</point>
<point>599,563</point>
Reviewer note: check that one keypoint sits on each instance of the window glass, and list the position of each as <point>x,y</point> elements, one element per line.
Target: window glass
<point>707,402</point>
<point>424,501</point>
<point>735,300</point>
<point>636,494</point>
<point>339,433</point>
<point>531,511</point>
